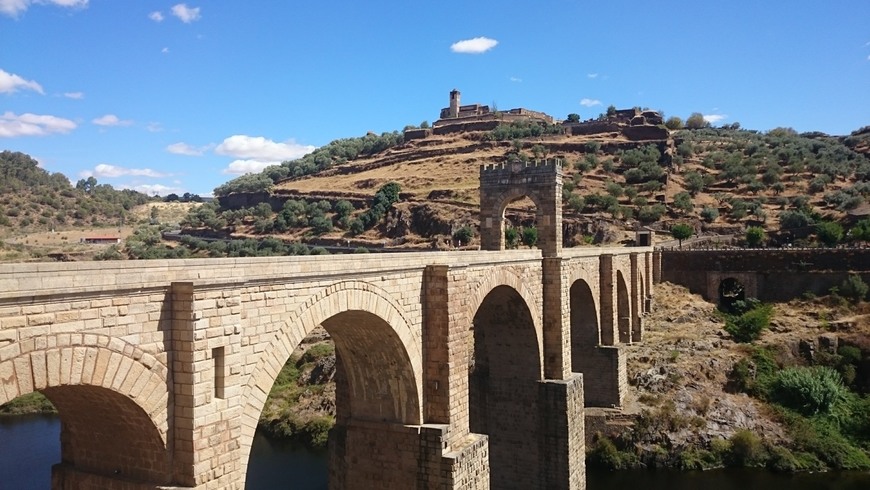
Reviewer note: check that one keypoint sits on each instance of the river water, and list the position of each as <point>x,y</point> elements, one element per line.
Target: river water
<point>30,444</point>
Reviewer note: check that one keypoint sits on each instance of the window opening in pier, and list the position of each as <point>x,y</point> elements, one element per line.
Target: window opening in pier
<point>219,375</point>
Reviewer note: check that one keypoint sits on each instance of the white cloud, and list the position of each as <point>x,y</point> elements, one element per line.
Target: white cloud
<point>10,82</point>
<point>111,120</point>
<point>14,7</point>
<point>476,45</point>
<point>74,95</point>
<point>589,102</point>
<point>185,14</point>
<point>152,189</point>
<point>261,149</point>
<point>164,50</point>
<point>714,118</point>
<point>12,125</point>
<point>111,171</point>
<point>240,167</point>
<point>154,127</point>
<point>592,75</point>
<point>156,16</point>
<point>185,149</point>
<point>515,79</point>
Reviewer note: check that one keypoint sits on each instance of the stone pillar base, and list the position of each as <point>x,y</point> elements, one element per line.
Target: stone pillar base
<point>66,476</point>
<point>604,375</point>
<point>561,441</point>
<point>377,455</point>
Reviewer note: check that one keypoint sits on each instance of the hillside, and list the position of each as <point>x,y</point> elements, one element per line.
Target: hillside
<point>717,180</point>
<point>42,214</point>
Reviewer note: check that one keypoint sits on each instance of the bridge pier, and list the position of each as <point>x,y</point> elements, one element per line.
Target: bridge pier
<point>561,438</point>
<point>365,454</point>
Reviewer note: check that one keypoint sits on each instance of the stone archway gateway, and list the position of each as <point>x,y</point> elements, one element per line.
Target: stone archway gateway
<point>501,184</point>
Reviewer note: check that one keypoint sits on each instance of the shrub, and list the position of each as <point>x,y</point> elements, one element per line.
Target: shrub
<point>464,234</point>
<point>829,232</point>
<point>511,237</point>
<point>530,236</point>
<point>748,326</point>
<point>754,236</point>
<point>854,288</point>
<point>747,449</point>
<point>809,390</point>
<point>709,214</point>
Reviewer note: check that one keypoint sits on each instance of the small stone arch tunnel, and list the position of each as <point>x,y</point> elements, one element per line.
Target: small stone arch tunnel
<point>501,184</point>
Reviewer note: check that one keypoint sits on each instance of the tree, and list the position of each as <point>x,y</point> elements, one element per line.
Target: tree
<point>530,236</point>
<point>573,117</point>
<point>683,202</point>
<point>674,123</point>
<point>829,232</point>
<point>681,232</point>
<point>696,121</point>
<point>464,235</point>
<point>754,236</point>
<point>694,182</point>
<point>511,237</point>
<point>611,110</point>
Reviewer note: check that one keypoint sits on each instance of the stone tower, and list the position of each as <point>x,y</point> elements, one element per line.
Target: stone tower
<point>501,184</point>
<point>454,103</point>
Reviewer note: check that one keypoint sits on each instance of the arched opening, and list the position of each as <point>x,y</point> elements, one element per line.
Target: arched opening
<point>585,335</point>
<point>636,327</point>
<point>623,309</point>
<point>503,387</point>
<point>98,435</point>
<point>376,390</point>
<point>519,217</point>
<point>730,292</point>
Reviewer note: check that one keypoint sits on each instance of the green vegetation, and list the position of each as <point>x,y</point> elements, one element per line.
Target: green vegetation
<point>681,232</point>
<point>31,198</point>
<point>34,402</point>
<point>286,413</point>
<point>522,129</point>
<point>827,422</point>
<point>335,153</point>
<point>747,326</point>
<point>530,236</point>
<point>754,236</point>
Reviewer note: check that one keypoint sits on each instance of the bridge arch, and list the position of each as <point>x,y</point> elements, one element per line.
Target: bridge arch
<point>371,335</point>
<point>112,400</point>
<point>503,377</point>
<point>623,308</point>
<point>585,329</point>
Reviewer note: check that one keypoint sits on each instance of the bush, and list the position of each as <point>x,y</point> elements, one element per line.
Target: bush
<point>854,288</point>
<point>829,233</point>
<point>754,236</point>
<point>809,390</point>
<point>709,214</point>
<point>747,449</point>
<point>748,326</point>
<point>464,234</point>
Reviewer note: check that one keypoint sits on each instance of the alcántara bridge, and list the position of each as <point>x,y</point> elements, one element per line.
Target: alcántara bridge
<point>456,370</point>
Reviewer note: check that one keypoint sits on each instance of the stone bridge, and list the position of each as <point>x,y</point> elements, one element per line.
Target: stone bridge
<point>456,370</point>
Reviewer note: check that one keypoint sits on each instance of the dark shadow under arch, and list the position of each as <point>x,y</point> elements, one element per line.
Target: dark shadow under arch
<point>730,292</point>
<point>623,309</point>
<point>585,336</point>
<point>503,386</point>
<point>106,433</point>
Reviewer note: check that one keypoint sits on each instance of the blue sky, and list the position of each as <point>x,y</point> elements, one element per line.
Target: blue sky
<point>181,97</point>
